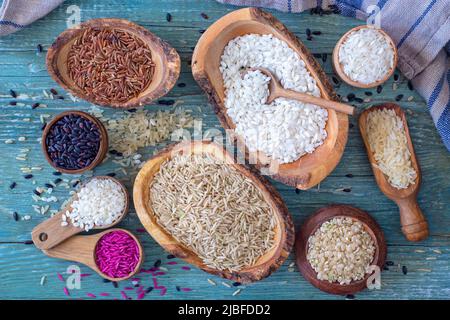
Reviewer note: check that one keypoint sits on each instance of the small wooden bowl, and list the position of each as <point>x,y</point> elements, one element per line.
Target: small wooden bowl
<point>314,222</point>
<point>284,231</point>
<point>340,71</point>
<point>82,249</point>
<point>308,170</point>
<point>414,224</point>
<point>103,141</point>
<point>166,59</point>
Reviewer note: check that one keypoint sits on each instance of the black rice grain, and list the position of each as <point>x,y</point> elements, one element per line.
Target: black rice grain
<point>349,175</point>
<point>48,185</point>
<point>389,263</point>
<point>308,32</point>
<point>157,263</point>
<point>368,93</point>
<point>53,91</point>
<point>201,31</point>
<point>297,191</point>
<point>149,289</point>
<point>405,270</point>
<point>28,176</point>
<point>317,33</point>
<point>12,185</point>
<point>399,97</point>
<point>410,85</point>
<point>351,97</point>
<point>182,85</point>
<point>37,193</point>
<point>335,80</point>
<point>57,180</point>
<point>39,48</point>
<point>132,110</point>
<point>359,100</point>
<point>15,216</point>
<point>106,280</point>
<point>236,284</point>
<point>168,17</point>
<point>56,173</point>
<point>324,57</point>
<point>170,256</point>
<point>73,142</point>
<point>204,16</point>
<point>347,190</point>
<point>111,174</point>
<point>13,93</point>
<point>350,296</point>
<point>396,77</point>
<point>178,288</point>
<point>75,183</point>
<point>379,89</point>
<point>114,283</point>
<point>166,102</point>
<point>43,126</point>
<point>317,55</point>
<point>35,105</point>
<point>13,103</point>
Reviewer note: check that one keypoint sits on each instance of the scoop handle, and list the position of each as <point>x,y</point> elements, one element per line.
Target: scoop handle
<point>307,98</point>
<point>414,224</point>
<point>50,233</point>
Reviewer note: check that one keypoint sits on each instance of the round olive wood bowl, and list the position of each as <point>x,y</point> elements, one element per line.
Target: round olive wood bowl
<point>314,222</point>
<point>165,58</point>
<point>340,71</point>
<point>308,170</point>
<point>284,231</point>
<point>103,141</point>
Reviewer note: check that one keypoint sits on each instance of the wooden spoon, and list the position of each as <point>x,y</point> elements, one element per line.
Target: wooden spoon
<point>314,222</point>
<point>50,233</point>
<point>276,90</point>
<point>414,224</point>
<point>82,249</point>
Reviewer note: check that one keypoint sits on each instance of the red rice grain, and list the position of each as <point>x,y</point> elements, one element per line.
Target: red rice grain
<point>110,65</point>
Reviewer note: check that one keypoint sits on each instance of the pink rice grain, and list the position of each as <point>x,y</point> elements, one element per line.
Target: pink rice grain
<point>124,295</point>
<point>66,292</point>
<point>91,295</point>
<point>60,277</point>
<point>141,296</point>
<point>104,294</point>
<point>170,263</point>
<point>117,254</point>
<point>185,268</point>
<point>186,289</point>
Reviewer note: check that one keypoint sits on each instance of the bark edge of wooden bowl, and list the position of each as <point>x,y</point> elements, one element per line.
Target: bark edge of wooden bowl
<point>266,264</point>
<point>310,169</point>
<point>166,59</point>
<point>313,222</point>
<point>103,149</point>
<point>340,72</point>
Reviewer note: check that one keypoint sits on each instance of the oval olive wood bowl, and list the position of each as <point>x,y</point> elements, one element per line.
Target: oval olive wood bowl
<point>314,222</point>
<point>165,58</point>
<point>50,233</point>
<point>306,171</point>
<point>284,231</point>
<point>340,71</point>
<point>414,224</point>
<point>103,149</point>
<point>82,249</point>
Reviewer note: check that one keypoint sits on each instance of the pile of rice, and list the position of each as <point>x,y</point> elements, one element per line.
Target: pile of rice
<point>285,129</point>
<point>214,210</point>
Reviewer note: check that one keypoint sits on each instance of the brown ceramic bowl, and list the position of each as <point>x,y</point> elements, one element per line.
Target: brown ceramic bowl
<point>103,141</point>
<point>314,222</point>
<point>340,71</point>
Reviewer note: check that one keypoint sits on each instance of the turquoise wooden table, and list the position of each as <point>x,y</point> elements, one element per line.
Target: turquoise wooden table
<point>415,270</point>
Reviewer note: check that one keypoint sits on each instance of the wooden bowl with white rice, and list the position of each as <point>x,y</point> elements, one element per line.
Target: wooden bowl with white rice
<point>299,148</point>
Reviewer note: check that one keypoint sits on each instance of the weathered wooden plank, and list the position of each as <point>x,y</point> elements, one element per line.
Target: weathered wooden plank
<point>23,70</point>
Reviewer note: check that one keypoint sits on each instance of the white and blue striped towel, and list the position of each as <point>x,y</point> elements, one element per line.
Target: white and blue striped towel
<point>17,14</point>
<point>421,30</point>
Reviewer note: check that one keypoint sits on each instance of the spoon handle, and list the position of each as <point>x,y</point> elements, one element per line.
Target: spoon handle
<point>414,225</point>
<point>50,233</point>
<point>307,98</point>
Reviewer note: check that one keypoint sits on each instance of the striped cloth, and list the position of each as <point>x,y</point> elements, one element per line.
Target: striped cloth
<point>421,30</point>
<point>17,14</point>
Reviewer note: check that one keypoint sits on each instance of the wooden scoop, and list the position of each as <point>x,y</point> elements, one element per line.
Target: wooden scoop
<point>82,249</point>
<point>414,225</point>
<point>50,232</point>
<point>276,90</point>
